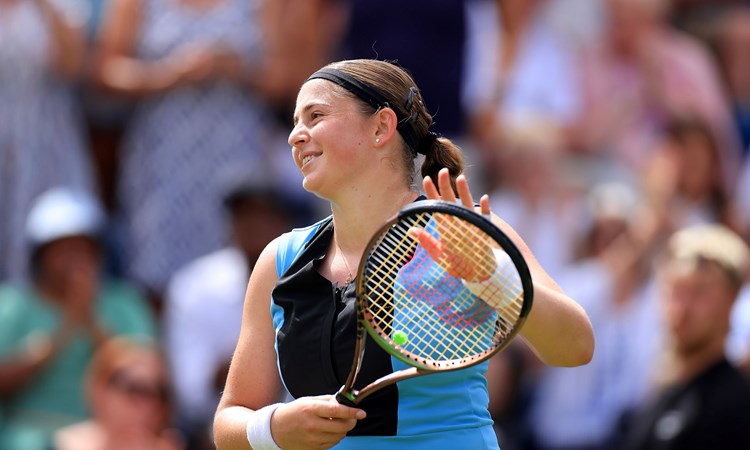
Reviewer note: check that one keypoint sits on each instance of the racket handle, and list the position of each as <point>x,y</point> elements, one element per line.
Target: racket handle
<point>344,399</point>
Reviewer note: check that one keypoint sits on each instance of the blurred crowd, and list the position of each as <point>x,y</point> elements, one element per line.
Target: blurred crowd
<point>144,165</point>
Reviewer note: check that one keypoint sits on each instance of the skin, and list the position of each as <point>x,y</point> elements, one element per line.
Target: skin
<point>331,140</point>
<point>118,69</point>
<point>122,419</point>
<point>696,306</point>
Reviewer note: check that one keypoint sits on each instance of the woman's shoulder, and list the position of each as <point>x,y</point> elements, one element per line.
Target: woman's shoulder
<point>300,236</point>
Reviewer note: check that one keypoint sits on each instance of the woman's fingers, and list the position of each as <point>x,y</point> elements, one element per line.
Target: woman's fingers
<point>444,183</point>
<point>313,422</point>
<point>447,193</point>
<point>427,241</point>
<point>430,190</point>
<point>484,205</point>
<point>464,193</point>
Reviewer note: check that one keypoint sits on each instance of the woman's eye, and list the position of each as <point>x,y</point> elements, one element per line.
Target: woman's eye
<point>315,115</point>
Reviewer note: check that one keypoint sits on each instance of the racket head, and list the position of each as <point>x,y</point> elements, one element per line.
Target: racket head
<point>421,310</point>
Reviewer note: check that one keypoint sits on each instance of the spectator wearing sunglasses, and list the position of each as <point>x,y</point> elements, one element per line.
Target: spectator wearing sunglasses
<point>129,399</point>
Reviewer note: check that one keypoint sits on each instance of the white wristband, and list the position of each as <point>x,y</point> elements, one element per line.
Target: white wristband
<point>259,428</point>
<point>502,288</point>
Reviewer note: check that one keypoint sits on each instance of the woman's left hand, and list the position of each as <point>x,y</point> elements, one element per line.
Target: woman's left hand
<point>457,249</point>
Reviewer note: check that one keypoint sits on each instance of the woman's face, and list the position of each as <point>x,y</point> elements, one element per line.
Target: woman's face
<point>329,139</point>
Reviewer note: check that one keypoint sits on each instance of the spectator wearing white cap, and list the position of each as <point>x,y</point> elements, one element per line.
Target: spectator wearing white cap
<point>50,328</point>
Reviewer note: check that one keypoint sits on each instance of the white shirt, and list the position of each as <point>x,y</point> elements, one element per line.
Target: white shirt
<point>738,341</point>
<point>581,405</point>
<point>542,82</point>
<point>202,321</point>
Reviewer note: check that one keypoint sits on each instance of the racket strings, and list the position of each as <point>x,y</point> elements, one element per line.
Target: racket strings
<point>439,320</point>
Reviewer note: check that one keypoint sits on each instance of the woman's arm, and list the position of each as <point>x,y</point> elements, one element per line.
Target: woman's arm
<point>557,329</point>
<point>67,40</point>
<point>253,381</point>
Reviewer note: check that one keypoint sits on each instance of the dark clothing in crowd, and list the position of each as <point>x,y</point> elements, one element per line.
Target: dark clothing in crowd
<point>710,412</point>
<point>424,36</point>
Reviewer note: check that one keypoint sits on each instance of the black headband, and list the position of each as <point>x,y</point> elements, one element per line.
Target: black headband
<point>374,98</point>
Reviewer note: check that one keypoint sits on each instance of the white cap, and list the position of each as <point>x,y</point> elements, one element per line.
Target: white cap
<point>712,242</point>
<point>63,212</point>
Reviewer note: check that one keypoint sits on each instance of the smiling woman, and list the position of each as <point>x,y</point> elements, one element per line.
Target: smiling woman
<point>360,128</point>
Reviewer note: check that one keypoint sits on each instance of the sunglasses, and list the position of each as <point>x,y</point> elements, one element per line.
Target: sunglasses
<point>121,381</point>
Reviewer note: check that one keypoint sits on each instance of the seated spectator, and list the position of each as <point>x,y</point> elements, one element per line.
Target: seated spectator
<point>686,181</point>
<point>127,388</point>
<point>642,74</point>
<point>50,328</point>
<point>703,399</point>
<point>511,50</point>
<point>580,408</point>
<point>204,303</point>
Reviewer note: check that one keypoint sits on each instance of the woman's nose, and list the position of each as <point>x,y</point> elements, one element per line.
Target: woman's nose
<point>297,136</point>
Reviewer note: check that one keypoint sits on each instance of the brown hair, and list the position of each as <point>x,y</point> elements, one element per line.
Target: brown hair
<point>400,91</point>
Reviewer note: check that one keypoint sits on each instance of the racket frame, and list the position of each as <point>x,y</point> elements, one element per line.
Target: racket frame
<point>347,394</point>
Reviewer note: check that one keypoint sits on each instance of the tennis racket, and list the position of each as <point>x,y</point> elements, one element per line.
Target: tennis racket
<point>440,288</point>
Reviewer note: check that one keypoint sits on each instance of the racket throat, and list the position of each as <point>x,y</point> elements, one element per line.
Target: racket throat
<point>347,397</point>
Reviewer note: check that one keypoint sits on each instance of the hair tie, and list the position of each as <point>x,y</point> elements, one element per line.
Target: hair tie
<point>427,142</point>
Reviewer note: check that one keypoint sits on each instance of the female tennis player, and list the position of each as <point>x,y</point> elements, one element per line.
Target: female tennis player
<point>360,126</point>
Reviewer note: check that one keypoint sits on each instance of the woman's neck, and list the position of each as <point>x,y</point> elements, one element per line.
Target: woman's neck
<point>357,218</point>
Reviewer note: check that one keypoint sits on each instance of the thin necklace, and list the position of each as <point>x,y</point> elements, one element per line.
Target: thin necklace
<point>346,264</point>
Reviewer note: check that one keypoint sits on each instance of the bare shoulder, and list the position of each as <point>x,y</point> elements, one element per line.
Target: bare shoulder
<point>79,436</point>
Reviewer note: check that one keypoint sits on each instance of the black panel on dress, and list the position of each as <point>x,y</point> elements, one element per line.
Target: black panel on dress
<point>316,341</point>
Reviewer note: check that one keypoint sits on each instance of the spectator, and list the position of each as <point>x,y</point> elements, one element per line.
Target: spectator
<point>49,329</point>
<point>302,35</point>
<point>734,55</point>
<point>204,304</point>
<point>197,69</point>
<point>511,51</point>
<point>686,181</point>
<point>743,198</point>
<point>127,390</point>
<point>529,189</point>
<point>703,399</point>
<point>645,73</point>
<point>581,408</point>
<point>41,130</point>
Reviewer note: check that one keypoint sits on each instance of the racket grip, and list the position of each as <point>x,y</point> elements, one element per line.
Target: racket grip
<point>344,399</point>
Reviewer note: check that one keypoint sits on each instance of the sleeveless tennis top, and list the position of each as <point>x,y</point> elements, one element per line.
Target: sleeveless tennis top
<point>315,324</point>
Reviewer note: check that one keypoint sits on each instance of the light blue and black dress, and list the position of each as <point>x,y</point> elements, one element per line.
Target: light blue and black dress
<point>315,323</point>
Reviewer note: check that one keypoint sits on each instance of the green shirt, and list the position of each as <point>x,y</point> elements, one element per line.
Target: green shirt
<point>55,397</point>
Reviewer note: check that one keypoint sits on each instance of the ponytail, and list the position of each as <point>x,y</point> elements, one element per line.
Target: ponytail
<point>443,153</point>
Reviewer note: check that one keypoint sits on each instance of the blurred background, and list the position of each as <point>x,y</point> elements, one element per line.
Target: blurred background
<point>144,165</point>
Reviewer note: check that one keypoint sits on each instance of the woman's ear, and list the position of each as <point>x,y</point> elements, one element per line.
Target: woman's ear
<point>386,125</point>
